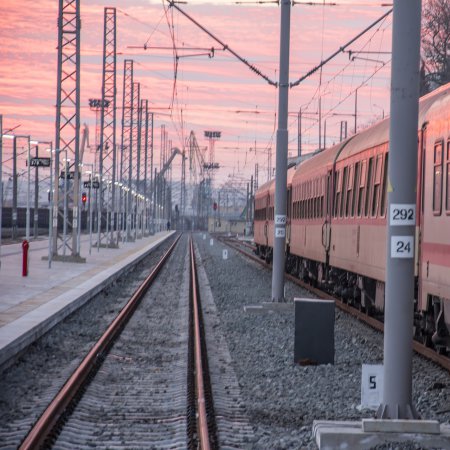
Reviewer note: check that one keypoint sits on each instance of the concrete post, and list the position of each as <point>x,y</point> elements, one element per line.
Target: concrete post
<point>14,193</point>
<point>50,210</point>
<point>1,183</point>
<point>27,218</point>
<point>281,158</point>
<point>402,176</point>
<point>36,198</point>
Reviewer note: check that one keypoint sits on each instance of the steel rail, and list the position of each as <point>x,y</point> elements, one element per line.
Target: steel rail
<point>376,324</point>
<point>202,426</point>
<point>50,417</point>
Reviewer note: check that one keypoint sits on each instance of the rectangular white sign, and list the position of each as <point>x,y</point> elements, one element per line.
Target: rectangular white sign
<point>402,214</point>
<point>225,254</point>
<point>211,242</point>
<point>280,232</point>
<point>280,219</point>
<point>402,246</point>
<point>372,377</point>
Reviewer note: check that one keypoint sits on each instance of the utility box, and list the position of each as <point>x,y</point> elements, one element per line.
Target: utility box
<point>314,331</point>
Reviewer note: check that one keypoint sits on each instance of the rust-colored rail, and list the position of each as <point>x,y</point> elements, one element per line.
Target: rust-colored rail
<point>419,348</point>
<point>203,432</point>
<point>44,426</point>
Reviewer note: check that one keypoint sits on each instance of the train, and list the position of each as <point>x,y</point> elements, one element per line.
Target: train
<point>337,216</point>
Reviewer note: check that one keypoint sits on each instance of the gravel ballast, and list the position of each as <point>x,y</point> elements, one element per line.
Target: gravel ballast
<point>282,398</point>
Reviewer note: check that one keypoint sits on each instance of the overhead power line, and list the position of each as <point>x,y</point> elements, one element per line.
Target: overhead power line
<point>341,50</point>
<point>225,47</point>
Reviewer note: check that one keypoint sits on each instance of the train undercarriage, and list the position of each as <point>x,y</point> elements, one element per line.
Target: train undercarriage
<point>431,326</point>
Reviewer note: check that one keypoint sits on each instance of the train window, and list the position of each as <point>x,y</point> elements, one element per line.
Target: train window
<point>329,199</point>
<point>338,194</point>
<point>368,187</point>
<point>348,201</point>
<point>355,187</point>
<point>316,198</point>
<point>376,185</point>
<point>344,191</point>
<point>383,203</point>
<point>322,195</point>
<point>437,178</point>
<point>362,184</point>
<point>447,187</point>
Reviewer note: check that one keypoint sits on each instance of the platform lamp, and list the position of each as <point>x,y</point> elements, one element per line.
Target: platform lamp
<point>15,137</point>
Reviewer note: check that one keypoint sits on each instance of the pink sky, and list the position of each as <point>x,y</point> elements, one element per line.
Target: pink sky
<point>217,93</point>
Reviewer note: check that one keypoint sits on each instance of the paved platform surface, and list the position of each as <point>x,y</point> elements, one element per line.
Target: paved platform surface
<point>31,305</point>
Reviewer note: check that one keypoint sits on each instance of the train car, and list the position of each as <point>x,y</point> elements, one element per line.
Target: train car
<point>261,219</point>
<point>264,216</point>
<point>433,204</point>
<point>339,216</point>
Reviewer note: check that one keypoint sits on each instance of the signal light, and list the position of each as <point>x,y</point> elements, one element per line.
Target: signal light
<point>83,198</point>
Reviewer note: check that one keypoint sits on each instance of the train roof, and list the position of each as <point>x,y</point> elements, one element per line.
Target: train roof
<point>264,189</point>
<point>375,135</point>
<point>290,175</point>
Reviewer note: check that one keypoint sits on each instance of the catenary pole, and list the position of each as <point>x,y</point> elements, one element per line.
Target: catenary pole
<point>402,176</point>
<point>1,183</point>
<point>281,158</point>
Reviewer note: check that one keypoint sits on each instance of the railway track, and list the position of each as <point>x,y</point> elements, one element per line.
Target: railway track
<point>149,380</point>
<point>427,352</point>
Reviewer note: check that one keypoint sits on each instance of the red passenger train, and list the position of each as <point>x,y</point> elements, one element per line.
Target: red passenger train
<point>336,226</point>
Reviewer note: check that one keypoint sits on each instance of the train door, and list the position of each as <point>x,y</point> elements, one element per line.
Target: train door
<point>266,220</point>
<point>420,210</point>
<point>326,227</point>
<point>288,214</point>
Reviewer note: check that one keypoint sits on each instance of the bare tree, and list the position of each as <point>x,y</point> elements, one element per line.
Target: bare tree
<point>435,44</point>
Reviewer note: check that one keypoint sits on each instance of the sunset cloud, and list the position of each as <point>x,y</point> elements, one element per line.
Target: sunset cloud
<point>211,93</point>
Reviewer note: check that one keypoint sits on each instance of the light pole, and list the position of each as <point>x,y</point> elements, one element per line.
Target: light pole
<point>57,151</point>
<point>91,175</point>
<point>14,212</point>
<point>50,209</point>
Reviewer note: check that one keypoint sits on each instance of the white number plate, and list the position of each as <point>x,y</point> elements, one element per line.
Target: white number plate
<point>280,219</point>
<point>371,385</point>
<point>280,232</point>
<point>402,246</point>
<point>402,214</point>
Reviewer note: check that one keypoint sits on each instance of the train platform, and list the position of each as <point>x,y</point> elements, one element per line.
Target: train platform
<point>31,305</point>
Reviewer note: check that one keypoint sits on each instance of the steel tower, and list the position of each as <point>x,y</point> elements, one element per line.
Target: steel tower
<point>127,140</point>
<point>68,129</point>
<point>108,154</point>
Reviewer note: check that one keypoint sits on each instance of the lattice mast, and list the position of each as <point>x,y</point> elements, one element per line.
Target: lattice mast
<point>134,152</point>
<point>183,189</point>
<point>67,140</point>
<point>141,160</point>
<point>126,144</point>
<point>108,153</point>
<point>147,129</point>
<point>149,192</point>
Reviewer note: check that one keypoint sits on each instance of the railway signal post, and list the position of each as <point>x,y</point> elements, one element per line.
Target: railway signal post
<point>281,159</point>
<point>402,176</point>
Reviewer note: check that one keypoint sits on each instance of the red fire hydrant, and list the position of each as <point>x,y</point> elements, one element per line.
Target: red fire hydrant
<point>25,246</point>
